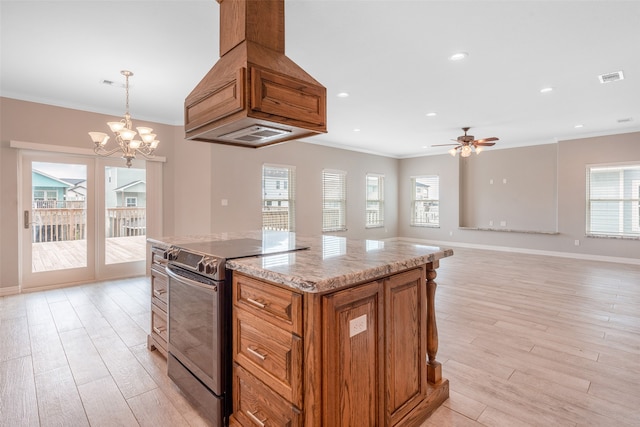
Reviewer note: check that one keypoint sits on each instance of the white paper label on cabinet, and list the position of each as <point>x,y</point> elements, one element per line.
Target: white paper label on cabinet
<point>357,325</point>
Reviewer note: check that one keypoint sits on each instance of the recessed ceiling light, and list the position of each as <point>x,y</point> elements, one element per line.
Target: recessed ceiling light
<point>546,90</point>
<point>578,126</point>
<point>425,146</point>
<point>356,130</point>
<point>432,114</point>
<point>458,56</point>
<point>343,95</point>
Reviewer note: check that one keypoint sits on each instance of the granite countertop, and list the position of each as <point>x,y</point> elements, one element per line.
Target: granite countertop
<point>330,263</point>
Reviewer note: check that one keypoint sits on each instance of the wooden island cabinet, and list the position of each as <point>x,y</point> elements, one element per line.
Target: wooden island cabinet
<point>342,333</point>
<point>353,356</point>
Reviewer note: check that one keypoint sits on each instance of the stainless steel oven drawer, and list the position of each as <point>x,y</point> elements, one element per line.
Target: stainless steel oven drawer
<point>210,405</point>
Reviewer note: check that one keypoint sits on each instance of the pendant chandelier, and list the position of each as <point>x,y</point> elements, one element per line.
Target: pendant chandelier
<point>124,135</point>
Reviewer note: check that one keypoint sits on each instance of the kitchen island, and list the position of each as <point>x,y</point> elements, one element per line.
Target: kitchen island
<point>343,333</point>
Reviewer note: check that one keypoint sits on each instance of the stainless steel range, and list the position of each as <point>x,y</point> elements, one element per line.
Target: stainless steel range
<point>199,313</point>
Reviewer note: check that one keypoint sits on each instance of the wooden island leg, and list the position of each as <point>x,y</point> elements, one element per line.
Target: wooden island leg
<point>434,368</point>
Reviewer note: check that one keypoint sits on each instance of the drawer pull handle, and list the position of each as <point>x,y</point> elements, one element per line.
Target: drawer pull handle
<point>256,303</point>
<point>256,353</point>
<point>158,293</point>
<point>158,330</point>
<point>256,419</point>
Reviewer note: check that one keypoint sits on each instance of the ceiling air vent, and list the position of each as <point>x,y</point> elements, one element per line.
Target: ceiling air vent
<point>611,77</point>
<point>254,134</point>
<point>625,120</point>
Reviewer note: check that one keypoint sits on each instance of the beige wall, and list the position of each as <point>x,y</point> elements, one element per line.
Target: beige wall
<point>496,190</point>
<point>520,166</point>
<point>197,176</point>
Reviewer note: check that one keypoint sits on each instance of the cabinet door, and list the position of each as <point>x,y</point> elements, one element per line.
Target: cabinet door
<point>352,350</point>
<point>405,337</point>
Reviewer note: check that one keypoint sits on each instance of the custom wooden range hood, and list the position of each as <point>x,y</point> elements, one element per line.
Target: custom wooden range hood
<point>254,95</point>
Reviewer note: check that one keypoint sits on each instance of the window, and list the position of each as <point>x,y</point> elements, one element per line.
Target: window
<point>278,197</point>
<point>131,202</point>
<point>425,201</point>
<point>334,200</point>
<point>613,201</point>
<point>45,199</point>
<point>375,201</point>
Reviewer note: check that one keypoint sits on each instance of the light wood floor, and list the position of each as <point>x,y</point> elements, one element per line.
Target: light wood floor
<point>524,340</point>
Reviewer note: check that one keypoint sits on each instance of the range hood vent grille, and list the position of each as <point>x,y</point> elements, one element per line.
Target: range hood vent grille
<point>255,134</point>
<point>611,77</point>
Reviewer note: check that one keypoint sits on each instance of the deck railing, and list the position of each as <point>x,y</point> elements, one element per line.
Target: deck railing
<point>275,218</point>
<point>55,224</point>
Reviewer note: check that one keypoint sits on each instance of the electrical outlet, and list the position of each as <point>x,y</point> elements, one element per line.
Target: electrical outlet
<point>451,233</point>
<point>576,242</point>
<point>490,223</point>
<point>224,202</point>
<point>491,181</point>
<point>504,180</point>
<point>503,223</point>
<point>357,325</point>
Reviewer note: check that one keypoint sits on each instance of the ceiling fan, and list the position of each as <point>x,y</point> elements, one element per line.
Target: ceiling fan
<point>466,144</point>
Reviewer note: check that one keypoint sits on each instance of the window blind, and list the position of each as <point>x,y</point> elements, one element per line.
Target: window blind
<point>613,200</point>
<point>375,201</point>
<point>425,203</point>
<point>278,198</point>
<point>334,200</point>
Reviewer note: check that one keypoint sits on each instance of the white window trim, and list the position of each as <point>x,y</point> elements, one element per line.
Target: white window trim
<point>379,200</point>
<point>412,222</point>
<point>635,202</point>
<point>290,189</point>
<point>635,206</point>
<point>342,225</point>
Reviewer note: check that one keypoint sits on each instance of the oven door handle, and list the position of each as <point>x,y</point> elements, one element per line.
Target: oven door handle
<point>190,282</point>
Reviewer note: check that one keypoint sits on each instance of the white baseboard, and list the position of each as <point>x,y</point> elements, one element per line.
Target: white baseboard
<point>11,290</point>
<point>573,255</point>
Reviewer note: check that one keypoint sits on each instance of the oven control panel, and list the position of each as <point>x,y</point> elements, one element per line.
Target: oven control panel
<point>206,265</point>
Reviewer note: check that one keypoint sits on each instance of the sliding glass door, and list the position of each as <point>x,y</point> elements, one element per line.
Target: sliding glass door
<point>58,229</point>
<point>83,219</point>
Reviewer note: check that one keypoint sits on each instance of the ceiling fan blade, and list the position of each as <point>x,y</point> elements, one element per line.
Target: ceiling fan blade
<point>484,144</point>
<point>493,138</point>
<point>442,145</point>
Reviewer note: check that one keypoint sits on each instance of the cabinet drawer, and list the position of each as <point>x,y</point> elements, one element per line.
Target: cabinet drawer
<point>157,256</point>
<point>159,286</point>
<point>270,302</point>
<point>159,326</point>
<point>256,405</point>
<point>272,354</point>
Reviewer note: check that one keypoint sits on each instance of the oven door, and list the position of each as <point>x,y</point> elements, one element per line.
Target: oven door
<point>198,326</point>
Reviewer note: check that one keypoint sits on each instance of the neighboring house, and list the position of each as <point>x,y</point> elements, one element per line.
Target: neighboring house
<point>48,191</point>
<point>78,189</point>
<point>130,195</point>
<point>125,187</point>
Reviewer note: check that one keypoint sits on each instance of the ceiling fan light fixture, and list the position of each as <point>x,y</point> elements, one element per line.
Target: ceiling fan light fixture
<point>479,149</point>
<point>465,151</point>
<point>453,152</point>
<point>546,89</point>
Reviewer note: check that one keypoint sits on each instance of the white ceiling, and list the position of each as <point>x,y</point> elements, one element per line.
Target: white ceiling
<point>389,55</point>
